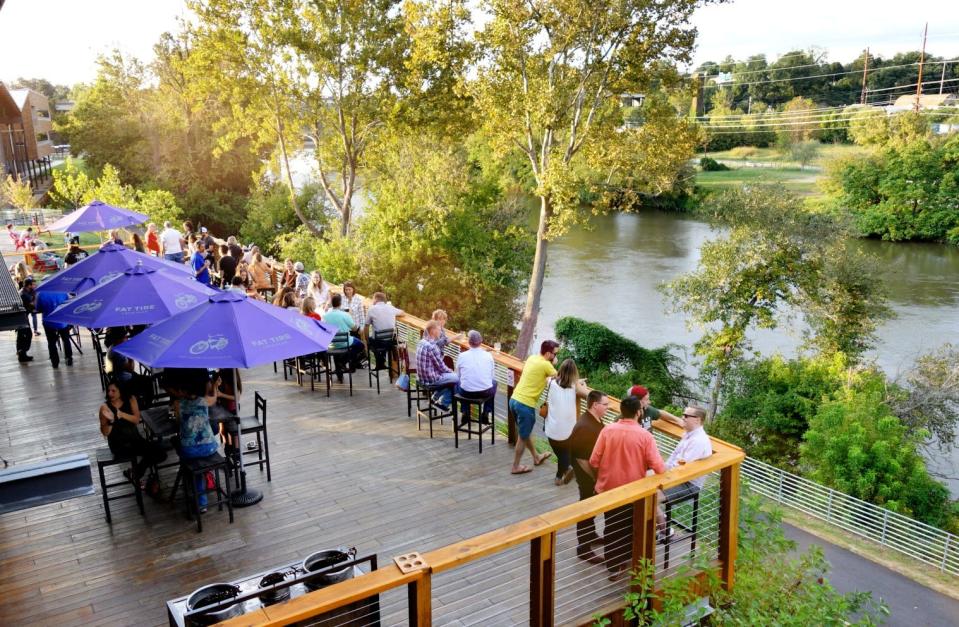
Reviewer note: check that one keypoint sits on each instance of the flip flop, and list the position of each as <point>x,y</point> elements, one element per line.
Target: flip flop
<point>542,459</point>
<point>522,470</point>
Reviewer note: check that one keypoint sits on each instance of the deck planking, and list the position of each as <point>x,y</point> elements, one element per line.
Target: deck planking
<point>346,471</point>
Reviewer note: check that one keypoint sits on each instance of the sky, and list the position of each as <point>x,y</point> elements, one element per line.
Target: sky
<point>60,39</point>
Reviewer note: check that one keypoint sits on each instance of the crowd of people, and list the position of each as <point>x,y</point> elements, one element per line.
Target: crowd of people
<point>600,457</point>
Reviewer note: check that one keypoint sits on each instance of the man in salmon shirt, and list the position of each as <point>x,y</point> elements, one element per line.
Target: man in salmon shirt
<point>624,452</point>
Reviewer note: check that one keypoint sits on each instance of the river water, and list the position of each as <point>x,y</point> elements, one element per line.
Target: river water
<point>610,274</point>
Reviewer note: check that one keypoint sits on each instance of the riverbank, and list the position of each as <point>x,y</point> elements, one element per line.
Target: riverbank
<point>610,272</point>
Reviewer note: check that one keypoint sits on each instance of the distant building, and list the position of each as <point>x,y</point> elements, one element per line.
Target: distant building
<point>926,102</point>
<point>25,144</point>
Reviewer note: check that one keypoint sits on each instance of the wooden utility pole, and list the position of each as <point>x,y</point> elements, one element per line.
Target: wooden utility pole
<point>922,58</point>
<point>865,70</point>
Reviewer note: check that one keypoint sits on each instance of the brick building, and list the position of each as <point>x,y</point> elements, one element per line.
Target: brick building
<point>25,144</point>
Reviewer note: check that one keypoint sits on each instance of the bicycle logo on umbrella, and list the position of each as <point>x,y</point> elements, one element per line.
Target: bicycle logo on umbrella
<point>109,276</point>
<point>185,301</point>
<point>92,306</point>
<point>213,342</point>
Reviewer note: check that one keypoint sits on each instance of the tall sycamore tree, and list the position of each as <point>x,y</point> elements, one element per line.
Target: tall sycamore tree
<point>548,85</point>
<point>323,69</point>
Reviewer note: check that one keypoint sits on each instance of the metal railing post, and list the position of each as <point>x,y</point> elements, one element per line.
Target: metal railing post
<point>885,522</point>
<point>779,493</point>
<point>945,554</point>
<point>829,506</point>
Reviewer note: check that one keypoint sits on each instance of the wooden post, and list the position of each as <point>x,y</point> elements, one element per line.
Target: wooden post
<point>421,601</point>
<point>542,580</point>
<point>644,531</point>
<point>728,523</point>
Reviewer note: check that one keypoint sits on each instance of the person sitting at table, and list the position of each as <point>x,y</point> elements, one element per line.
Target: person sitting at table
<point>319,291</point>
<point>281,296</point>
<point>119,417</point>
<point>475,369</point>
<point>430,368</point>
<point>693,446</point>
<point>123,369</point>
<point>289,275</point>
<point>196,439</point>
<point>308,309</point>
<point>219,404</point>
<point>353,303</point>
<point>441,317</point>
<point>343,323</point>
<point>382,317</point>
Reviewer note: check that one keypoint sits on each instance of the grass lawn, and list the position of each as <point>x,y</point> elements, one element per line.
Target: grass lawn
<point>794,179</point>
<point>827,152</point>
<point>77,161</point>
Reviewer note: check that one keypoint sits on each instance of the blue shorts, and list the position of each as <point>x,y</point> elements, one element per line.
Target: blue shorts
<point>525,417</point>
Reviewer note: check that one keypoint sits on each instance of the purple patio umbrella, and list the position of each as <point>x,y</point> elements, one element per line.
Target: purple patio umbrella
<point>228,331</point>
<point>98,216</point>
<point>109,262</point>
<point>140,295</point>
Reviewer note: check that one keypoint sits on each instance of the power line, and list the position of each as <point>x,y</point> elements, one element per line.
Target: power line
<point>805,78</point>
<point>811,121</point>
<point>910,85</point>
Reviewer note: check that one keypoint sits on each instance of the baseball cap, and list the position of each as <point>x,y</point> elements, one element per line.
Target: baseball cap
<point>203,229</point>
<point>298,266</point>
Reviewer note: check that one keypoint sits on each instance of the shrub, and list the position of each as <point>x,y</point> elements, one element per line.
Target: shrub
<point>612,362</point>
<point>708,164</point>
<point>743,152</point>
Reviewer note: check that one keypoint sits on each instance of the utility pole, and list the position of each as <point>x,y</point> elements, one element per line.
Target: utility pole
<point>942,79</point>
<point>865,69</point>
<point>922,58</point>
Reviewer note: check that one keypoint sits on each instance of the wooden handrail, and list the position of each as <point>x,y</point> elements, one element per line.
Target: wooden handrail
<point>455,555</point>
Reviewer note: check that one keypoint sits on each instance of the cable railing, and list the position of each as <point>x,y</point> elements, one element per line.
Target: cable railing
<point>912,538</point>
<point>483,580</point>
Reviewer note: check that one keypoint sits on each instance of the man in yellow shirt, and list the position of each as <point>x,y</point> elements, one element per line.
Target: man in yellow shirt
<point>536,371</point>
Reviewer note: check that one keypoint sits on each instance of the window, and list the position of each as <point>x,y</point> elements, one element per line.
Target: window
<point>43,137</point>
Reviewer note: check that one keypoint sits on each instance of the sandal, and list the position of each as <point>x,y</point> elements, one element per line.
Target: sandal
<point>521,470</point>
<point>542,458</point>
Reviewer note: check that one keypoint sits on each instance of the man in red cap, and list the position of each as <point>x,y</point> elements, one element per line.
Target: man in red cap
<point>650,413</point>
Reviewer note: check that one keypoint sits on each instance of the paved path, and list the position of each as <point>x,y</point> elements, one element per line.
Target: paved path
<point>911,603</point>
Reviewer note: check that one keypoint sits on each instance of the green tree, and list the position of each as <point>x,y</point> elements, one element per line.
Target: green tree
<point>904,191</point>
<point>856,445</point>
<point>776,256</point>
<point>804,152</point>
<point>547,86</point>
<point>71,185</point>
<point>326,69</point>
<point>17,193</point>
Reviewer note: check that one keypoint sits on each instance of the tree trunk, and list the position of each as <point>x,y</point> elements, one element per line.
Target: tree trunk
<point>714,393</point>
<point>345,213</point>
<point>289,182</point>
<point>535,291</point>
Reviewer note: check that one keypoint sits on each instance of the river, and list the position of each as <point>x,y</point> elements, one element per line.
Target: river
<point>610,274</point>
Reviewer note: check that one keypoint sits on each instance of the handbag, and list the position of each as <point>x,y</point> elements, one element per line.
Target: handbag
<point>403,382</point>
<point>544,410</point>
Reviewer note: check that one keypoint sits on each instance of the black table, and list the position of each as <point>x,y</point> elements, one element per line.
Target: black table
<point>160,422</point>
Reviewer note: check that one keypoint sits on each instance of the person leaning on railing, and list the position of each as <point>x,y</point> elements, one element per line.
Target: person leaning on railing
<point>650,413</point>
<point>694,445</point>
<point>562,398</point>
<point>624,453</point>
<point>581,443</point>
<point>536,371</point>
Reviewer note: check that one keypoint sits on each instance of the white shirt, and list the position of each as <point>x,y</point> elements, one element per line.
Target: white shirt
<point>475,368</point>
<point>562,411</point>
<point>320,295</point>
<point>694,445</point>
<point>382,316</point>
<point>170,241</point>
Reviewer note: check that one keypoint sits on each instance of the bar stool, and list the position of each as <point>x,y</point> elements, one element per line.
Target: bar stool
<point>433,410</point>
<point>193,469</point>
<point>105,459</point>
<point>482,426</point>
<point>692,528</point>
<point>379,352</point>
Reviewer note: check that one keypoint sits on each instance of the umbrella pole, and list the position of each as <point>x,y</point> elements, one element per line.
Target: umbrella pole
<point>244,496</point>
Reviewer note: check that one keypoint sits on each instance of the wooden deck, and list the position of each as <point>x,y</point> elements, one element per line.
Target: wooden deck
<point>346,471</point>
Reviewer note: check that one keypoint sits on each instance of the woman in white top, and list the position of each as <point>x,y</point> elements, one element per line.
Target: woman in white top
<point>353,304</point>
<point>563,409</point>
<point>319,291</point>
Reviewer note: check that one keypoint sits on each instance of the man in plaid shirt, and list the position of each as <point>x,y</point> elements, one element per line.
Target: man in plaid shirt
<point>430,369</point>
